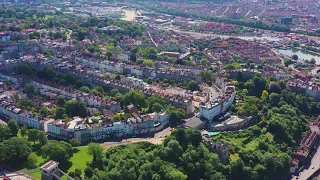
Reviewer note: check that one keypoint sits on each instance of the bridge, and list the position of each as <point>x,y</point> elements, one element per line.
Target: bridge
<point>49,171</point>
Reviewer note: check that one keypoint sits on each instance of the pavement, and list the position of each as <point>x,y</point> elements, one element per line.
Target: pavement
<point>13,175</point>
<point>314,166</point>
<point>156,139</point>
<point>315,71</point>
<point>2,122</point>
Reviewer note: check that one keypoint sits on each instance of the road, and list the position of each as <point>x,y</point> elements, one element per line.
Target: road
<point>314,166</point>
<point>315,71</point>
<point>13,175</point>
<point>152,39</point>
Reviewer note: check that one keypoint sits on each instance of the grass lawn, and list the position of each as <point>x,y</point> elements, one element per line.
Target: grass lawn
<point>80,158</point>
<point>36,175</point>
<point>234,157</point>
<point>40,161</point>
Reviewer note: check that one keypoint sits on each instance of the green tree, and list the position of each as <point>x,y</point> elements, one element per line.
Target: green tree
<point>176,115</point>
<point>232,66</point>
<point>47,53</point>
<point>173,151</point>
<point>116,117</point>
<point>75,108</point>
<point>274,99</point>
<point>157,107</point>
<point>59,113</point>
<point>61,101</point>
<point>282,85</point>
<point>15,150</point>
<point>14,127</point>
<point>96,150</point>
<point>44,111</point>
<point>88,172</point>
<point>49,73</point>
<point>134,97</point>
<point>33,135</point>
<point>85,89</point>
<point>31,161</point>
<point>24,131</point>
<point>296,44</point>
<point>206,77</point>
<point>118,77</point>
<point>275,88</point>
<point>295,57</point>
<point>5,132</point>
<point>237,169</point>
<point>148,63</point>
<point>247,109</point>
<point>178,175</point>
<point>57,151</point>
<point>25,69</point>
<point>192,85</point>
<point>74,142</point>
<point>264,95</point>
<point>29,89</point>
<point>113,92</point>
<point>260,84</point>
<point>312,61</point>
<point>70,79</point>
<point>149,81</point>
<point>42,137</point>
<point>119,97</point>
<point>78,84</point>
<point>109,55</point>
<point>155,100</point>
<point>204,61</point>
<point>77,172</point>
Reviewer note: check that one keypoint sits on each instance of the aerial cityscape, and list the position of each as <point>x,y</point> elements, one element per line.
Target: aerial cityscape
<point>159,90</point>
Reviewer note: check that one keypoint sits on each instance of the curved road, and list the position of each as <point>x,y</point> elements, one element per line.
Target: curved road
<point>315,70</point>
<point>314,166</point>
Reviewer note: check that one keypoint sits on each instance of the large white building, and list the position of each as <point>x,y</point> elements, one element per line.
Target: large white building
<point>210,110</point>
<point>23,118</point>
<point>313,91</point>
<point>53,91</point>
<point>86,131</point>
<point>221,104</point>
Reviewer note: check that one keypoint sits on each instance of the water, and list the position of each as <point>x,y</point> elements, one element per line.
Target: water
<point>251,38</point>
<point>301,54</point>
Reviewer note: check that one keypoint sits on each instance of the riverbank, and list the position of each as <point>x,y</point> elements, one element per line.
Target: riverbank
<point>302,54</point>
<point>199,34</point>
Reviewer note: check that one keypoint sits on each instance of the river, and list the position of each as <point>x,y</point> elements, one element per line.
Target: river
<point>269,38</point>
<point>199,34</point>
<point>301,54</point>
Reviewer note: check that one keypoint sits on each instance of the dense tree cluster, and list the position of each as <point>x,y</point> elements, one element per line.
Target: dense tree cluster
<point>22,151</point>
<point>22,18</point>
<point>263,151</point>
<point>150,53</point>
<point>181,157</point>
<point>241,22</point>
